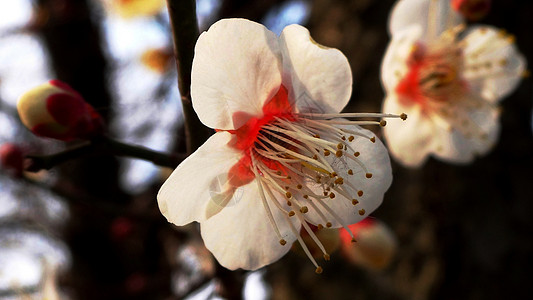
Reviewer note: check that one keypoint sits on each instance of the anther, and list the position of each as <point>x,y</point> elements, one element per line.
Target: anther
<point>356,154</point>
<point>278,173</point>
<point>299,186</point>
<point>343,138</point>
<point>373,139</point>
<point>315,156</point>
<point>304,209</point>
<point>333,174</point>
<point>339,180</point>
<point>361,212</point>
<point>354,201</point>
<point>340,146</point>
<point>353,240</point>
<point>289,203</point>
<point>316,136</point>
<point>382,123</point>
<point>283,242</point>
<point>368,175</point>
<point>326,153</point>
<point>328,225</point>
<point>288,176</point>
<point>305,196</point>
<point>291,213</point>
<point>325,193</point>
<point>360,193</point>
<point>350,172</point>
<point>320,226</point>
<point>289,195</point>
<point>350,138</point>
<point>525,74</point>
<point>331,195</point>
<point>318,270</point>
<point>338,153</point>
<point>403,116</point>
<point>326,257</point>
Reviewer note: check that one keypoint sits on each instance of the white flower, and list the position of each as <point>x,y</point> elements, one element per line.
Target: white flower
<point>281,155</point>
<point>448,81</point>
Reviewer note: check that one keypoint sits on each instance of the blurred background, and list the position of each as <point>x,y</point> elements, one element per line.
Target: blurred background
<point>91,228</point>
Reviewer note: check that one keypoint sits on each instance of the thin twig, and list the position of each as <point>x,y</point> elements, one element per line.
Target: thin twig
<point>185,33</point>
<point>98,147</point>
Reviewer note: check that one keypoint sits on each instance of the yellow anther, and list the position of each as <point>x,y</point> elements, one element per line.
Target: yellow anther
<point>350,138</point>
<point>316,136</point>
<point>333,174</point>
<point>291,213</point>
<point>288,176</point>
<point>320,227</point>
<point>299,186</point>
<point>343,138</point>
<point>279,173</point>
<point>326,153</point>
<point>361,212</point>
<point>305,196</point>
<point>339,180</point>
<point>318,270</point>
<point>356,154</point>
<point>283,242</point>
<point>338,153</point>
<point>326,257</point>
<point>360,193</point>
<point>368,175</point>
<point>403,116</point>
<point>353,240</point>
<point>382,123</point>
<point>328,225</point>
<point>325,193</point>
<point>288,194</point>
<point>304,209</point>
<point>331,195</point>
<point>315,156</point>
<point>373,139</point>
<point>354,201</point>
<point>340,146</point>
<point>289,203</point>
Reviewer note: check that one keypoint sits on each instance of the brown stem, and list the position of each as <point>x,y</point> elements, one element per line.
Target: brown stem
<point>185,33</point>
<point>102,146</point>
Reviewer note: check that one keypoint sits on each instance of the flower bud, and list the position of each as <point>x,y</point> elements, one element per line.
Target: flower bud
<point>55,110</point>
<point>472,10</point>
<point>328,237</point>
<point>12,159</point>
<point>136,8</point>
<point>157,60</point>
<point>375,244</point>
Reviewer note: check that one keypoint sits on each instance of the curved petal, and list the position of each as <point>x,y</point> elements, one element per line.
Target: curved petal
<point>394,64</point>
<point>236,69</point>
<point>241,236</point>
<point>487,46</point>
<point>198,181</point>
<point>410,141</point>
<point>475,132</point>
<point>318,78</point>
<point>409,12</point>
<point>375,158</point>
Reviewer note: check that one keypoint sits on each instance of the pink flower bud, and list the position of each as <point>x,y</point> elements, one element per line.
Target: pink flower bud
<point>12,158</point>
<point>375,244</point>
<point>55,110</point>
<point>472,10</point>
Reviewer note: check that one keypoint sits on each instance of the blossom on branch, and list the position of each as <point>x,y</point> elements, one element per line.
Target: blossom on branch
<point>55,110</point>
<point>135,8</point>
<point>282,155</point>
<point>448,80</point>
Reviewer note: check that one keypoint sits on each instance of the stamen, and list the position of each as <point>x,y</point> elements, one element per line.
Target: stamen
<point>313,237</point>
<point>304,247</point>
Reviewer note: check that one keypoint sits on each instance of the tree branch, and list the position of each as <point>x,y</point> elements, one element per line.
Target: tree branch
<point>185,33</point>
<point>102,146</point>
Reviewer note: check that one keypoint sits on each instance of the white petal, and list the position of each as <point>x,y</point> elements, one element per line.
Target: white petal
<point>241,236</point>
<point>409,12</point>
<point>197,181</point>
<point>484,45</point>
<point>410,141</point>
<point>236,68</point>
<point>318,78</point>
<point>375,158</point>
<point>394,65</point>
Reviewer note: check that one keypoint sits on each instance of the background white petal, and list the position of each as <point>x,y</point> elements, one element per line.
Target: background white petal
<point>409,12</point>
<point>197,181</point>
<point>394,64</point>
<point>488,46</point>
<point>236,68</point>
<point>410,141</point>
<point>375,158</point>
<point>318,78</point>
<point>240,236</point>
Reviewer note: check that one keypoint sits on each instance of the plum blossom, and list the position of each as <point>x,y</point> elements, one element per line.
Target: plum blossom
<point>448,80</point>
<point>282,155</point>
